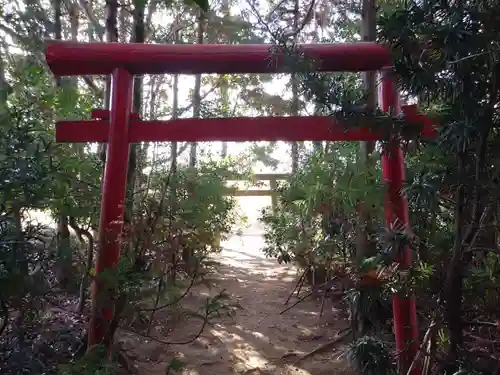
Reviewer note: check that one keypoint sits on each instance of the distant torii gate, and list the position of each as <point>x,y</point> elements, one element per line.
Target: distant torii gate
<point>120,127</point>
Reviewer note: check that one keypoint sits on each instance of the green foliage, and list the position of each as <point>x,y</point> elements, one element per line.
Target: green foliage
<point>371,356</point>
<point>93,363</point>
<point>184,216</point>
<point>22,286</point>
<point>317,206</point>
<point>440,50</point>
<point>36,172</point>
<point>422,274</point>
<point>174,365</point>
<point>202,4</point>
<point>339,95</point>
<point>23,160</point>
<point>262,153</point>
<point>201,211</point>
<point>446,54</point>
<point>204,204</point>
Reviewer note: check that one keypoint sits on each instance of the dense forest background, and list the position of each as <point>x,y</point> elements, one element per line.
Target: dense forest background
<point>329,220</point>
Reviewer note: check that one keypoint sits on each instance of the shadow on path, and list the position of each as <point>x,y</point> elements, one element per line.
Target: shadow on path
<point>254,341</point>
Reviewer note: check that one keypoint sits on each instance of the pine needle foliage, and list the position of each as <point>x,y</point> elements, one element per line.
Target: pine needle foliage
<point>371,356</point>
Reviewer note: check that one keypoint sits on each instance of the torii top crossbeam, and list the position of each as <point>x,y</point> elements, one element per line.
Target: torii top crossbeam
<point>71,58</point>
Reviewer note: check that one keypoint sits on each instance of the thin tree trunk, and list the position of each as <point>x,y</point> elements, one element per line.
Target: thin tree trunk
<point>173,172</point>
<point>224,83</point>
<point>57,27</point>
<point>90,26</point>
<point>64,260</point>
<point>317,145</point>
<point>111,36</point>
<point>122,22</point>
<point>295,88</point>
<point>142,183</point>
<point>136,156</point>
<point>82,297</point>
<point>175,109</point>
<point>74,19</point>
<point>224,91</point>
<point>4,86</point>
<point>197,89</point>
<point>453,283</point>
<point>363,247</point>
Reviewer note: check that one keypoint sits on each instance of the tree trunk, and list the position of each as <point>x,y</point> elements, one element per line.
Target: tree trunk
<point>224,91</point>
<point>197,89</point>
<point>64,256</point>
<point>224,83</point>
<point>453,283</point>
<point>173,182</point>
<point>111,36</point>
<point>4,87</point>
<point>64,259</point>
<point>123,24</point>
<point>134,171</point>
<point>295,88</point>
<point>363,247</point>
<point>82,297</point>
<point>57,27</point>
<point>175,110</point>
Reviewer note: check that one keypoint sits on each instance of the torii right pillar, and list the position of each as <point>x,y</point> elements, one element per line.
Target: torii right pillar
<point>396,210</point>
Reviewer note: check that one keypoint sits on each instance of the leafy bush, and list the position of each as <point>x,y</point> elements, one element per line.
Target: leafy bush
<point>315,221</point>
<point>183,215</point>
<point>371,356</point>
<point>92,363</point>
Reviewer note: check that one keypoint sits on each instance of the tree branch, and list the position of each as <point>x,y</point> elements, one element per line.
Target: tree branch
<point>98,28</point>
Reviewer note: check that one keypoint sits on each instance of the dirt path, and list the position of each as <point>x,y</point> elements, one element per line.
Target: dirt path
<point>254,341</point>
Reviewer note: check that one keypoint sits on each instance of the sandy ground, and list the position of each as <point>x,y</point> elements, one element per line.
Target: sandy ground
<point>254,340</point>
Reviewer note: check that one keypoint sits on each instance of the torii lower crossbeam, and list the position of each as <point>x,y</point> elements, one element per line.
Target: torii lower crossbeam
<point>313,128</point>
<point>120,127</point>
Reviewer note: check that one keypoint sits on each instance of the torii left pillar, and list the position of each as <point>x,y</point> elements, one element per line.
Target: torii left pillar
<point>113,202</point>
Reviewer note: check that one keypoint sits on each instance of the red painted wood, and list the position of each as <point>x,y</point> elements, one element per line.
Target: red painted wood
<point>100,114</point>
<point>105,114</point>
<point>239,129</point>
<point>113,202</point>
<point>396,211</point>
<point>72,58</point>
<point>82,131</point>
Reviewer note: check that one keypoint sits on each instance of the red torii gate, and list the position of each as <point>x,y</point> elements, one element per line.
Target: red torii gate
<point>120,127</point>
